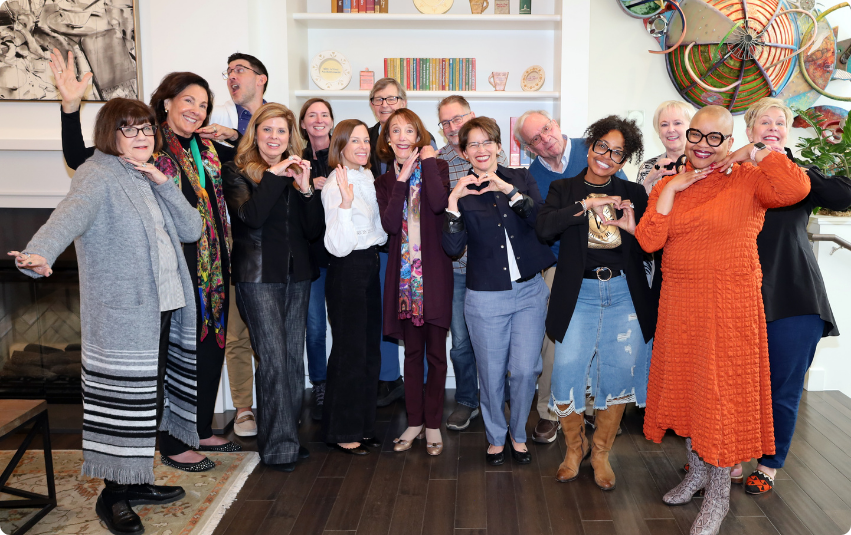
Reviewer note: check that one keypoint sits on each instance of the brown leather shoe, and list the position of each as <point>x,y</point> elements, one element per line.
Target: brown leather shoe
<point>573,427</point>
<point>546,430</point>
<point>607,422</point>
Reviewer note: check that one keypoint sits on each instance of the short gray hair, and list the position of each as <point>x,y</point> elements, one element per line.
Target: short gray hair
<point>518,125</point>
<point>686,109</point>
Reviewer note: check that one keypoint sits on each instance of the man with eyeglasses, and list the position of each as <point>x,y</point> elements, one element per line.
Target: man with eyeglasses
<point>453,112</point>
<point>385,97</point>
<point>558,156</point>
<point>247,79</point>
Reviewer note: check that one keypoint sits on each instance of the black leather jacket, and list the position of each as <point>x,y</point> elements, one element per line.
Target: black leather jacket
<point>272,224</point>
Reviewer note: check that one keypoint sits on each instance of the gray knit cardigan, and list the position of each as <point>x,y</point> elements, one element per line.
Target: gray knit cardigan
<point>114,233</point>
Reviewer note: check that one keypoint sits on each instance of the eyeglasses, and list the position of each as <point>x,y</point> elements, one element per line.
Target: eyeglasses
<point>378,101</point>
<point>133,131</point>
<point>458,120</point>
<point>545,131</point>
<point>239,69</point>
<point>601,147</point>
<point>713,139</point>
<point>485,144</point>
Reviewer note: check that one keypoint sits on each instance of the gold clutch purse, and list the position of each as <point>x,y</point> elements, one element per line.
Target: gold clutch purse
<point>602,236</point>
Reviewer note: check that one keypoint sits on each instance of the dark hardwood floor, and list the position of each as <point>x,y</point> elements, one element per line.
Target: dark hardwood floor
<point>457,493</point>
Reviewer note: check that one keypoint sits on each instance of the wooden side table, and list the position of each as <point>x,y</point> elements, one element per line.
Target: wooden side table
<point>15,414</point>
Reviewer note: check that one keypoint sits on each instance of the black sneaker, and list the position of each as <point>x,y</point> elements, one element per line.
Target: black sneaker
<point>317,396</point>
<point>460,417</point>
<point>390,391</point>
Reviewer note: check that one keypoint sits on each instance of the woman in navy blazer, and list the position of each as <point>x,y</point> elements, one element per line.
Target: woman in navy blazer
<point>412,198</point>
<point>492,212</point>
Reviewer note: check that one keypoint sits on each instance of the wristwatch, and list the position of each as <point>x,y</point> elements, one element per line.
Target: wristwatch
<point>758,146</point>
<point>309,192</point>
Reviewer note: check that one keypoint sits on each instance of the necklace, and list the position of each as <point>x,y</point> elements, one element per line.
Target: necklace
<point>599,185</point>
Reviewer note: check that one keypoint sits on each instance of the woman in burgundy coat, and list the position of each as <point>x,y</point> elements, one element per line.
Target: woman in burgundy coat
<point>412,197</point>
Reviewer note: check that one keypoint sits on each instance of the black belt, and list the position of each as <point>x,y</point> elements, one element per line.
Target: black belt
<point>527,279</point>
<point>601,273</point>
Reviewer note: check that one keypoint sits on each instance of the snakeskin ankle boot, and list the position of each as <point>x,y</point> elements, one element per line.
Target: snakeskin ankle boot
<point>716,503</point>
<point>696,479</point>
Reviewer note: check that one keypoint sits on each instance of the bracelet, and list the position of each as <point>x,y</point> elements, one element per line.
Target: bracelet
<point>512,193</point>
<point>584,208</point>
<point>309,192</point>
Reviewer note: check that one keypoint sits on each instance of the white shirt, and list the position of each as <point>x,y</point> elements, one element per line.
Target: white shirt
<point>565,157</point>
<point>355,228</point>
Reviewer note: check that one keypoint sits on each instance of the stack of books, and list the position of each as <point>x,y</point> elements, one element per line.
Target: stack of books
<point>433,74</point>
<point>359,6</point>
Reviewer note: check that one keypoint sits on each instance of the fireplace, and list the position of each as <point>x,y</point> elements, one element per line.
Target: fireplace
<point>39,318</point>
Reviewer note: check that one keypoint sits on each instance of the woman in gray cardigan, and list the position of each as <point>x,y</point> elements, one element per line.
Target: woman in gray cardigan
<point>137,308</point>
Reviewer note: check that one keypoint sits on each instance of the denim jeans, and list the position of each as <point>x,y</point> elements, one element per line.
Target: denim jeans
<point>276,316</point>
<point>506,329</point>
<point>461,353</point>
<point>390,368</point>
<point>791,347</point>
<point>317,366</point>
<point>604,348</point>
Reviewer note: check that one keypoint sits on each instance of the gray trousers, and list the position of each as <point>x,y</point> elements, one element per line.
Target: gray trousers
<point>276,316</point>
<point>548,349</point>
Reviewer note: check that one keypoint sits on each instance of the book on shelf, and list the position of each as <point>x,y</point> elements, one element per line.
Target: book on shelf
<point>514,150</point>
<point>501,7</point>
<point>335,4</point>
<point>432,74</point>
<point>370,6</point>
<point>382,8</point>
<point>525,155</point>
<point>525,7</point>
<point>361,6</point>
<point>347,6</point>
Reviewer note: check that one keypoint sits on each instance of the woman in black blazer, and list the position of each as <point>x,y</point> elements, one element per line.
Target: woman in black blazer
<point>602,313</point>
<point>492,212</point>
<point>274,214</point>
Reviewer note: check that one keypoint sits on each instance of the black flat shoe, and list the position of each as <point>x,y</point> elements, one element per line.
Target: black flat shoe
<point>282,467</point>
<point>373,442</point>
<point>228,447</point>
<point>200,466</point>
<point>303,453</point>
<point>120,519</point>
<point>153,494</point>
<point>520,457</point>
<point>358,450</point>
<point>496,459</point>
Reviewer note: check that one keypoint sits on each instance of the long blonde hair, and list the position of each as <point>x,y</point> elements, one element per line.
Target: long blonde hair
<point>248,158</point>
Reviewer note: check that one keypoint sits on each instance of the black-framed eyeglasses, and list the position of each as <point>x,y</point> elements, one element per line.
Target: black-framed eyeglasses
<point>713,139</point>
<point>458,120</point>
<point>601,147</point>
<point>378,101</point>
<point>133,131</point>
<point>240,69</point>
<point>545,131</point>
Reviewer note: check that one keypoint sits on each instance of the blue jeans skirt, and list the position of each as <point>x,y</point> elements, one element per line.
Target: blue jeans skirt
<point>603,353</point>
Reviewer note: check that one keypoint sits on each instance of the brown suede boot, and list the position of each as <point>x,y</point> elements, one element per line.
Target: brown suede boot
<point>607,422</point>
<point>573,427</point>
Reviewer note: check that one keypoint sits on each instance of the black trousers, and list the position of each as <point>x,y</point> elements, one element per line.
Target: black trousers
<point>354,312</point>
<point>209,361</point>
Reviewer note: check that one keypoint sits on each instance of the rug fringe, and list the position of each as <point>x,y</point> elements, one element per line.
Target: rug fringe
<point>245,470</point>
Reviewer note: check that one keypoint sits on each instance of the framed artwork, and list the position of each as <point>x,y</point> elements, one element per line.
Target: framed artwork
<point>103,36</point>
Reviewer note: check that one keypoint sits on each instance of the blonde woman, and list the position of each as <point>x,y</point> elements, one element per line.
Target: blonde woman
<point>670,122</point>
<point>274,215</point>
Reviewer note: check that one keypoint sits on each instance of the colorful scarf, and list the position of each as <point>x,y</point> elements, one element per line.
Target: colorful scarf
<point>411,276</point>
<point>211,288</point>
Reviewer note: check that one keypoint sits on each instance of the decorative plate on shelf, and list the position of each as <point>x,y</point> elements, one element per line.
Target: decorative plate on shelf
<point>330,70</point>
<point>532,78</point>
<point>433,7</point>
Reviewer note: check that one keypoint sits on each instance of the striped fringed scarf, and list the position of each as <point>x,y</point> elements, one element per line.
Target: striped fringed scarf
<point>120,408</point>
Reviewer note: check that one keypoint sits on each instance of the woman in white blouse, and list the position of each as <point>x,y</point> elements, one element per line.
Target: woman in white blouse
<point>353,233</point>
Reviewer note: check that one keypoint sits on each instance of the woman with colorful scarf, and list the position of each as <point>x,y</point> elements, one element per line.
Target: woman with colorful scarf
<point>412,196</point>
<point>182,103</point>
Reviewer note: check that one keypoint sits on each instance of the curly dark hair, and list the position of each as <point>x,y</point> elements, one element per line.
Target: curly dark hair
<point>633,140</point>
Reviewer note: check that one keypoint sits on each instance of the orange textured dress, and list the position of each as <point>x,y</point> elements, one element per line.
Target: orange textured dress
<point>709,376</point>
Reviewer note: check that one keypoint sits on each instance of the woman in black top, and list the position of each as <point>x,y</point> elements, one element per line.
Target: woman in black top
<point>273,215</point>
<point>316,120</point>
<point>602,314</point>
<point>797,312</point>
<point>182,103</point>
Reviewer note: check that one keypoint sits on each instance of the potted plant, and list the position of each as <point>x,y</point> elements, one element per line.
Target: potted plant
<point>829,149</point>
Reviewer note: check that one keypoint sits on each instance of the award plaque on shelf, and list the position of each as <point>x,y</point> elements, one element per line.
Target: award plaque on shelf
<point>433,7</point>
<point>367,79</point>
<point>330,70</point>
<point>532,78</point>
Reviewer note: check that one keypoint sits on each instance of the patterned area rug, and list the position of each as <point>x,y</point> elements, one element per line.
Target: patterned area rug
<point>208,495</point>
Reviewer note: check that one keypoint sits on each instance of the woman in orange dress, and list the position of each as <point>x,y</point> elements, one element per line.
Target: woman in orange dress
<point>709,376</point>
